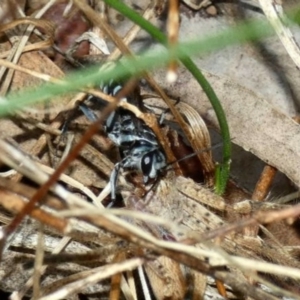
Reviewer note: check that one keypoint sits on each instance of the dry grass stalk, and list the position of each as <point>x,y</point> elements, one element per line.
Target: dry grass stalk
<point>191,238</point>
<point>174,205</point>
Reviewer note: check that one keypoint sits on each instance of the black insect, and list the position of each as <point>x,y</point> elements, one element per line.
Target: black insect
<point>138,145</point>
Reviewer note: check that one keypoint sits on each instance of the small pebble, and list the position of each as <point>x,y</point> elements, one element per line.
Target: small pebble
<point>211,10</point>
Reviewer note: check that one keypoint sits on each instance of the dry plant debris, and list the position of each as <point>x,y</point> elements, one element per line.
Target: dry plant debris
<point>176,240</point>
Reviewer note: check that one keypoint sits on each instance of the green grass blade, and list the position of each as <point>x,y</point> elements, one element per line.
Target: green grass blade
<point>242,33</point>
<point>147,61</point>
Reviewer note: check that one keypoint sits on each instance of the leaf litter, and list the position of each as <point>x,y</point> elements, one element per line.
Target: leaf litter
<point>179,232</point>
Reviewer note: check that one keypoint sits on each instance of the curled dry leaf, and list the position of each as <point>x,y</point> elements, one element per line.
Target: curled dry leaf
<point>200,167</point>
<point>201,140</point>
<point>254,123</point>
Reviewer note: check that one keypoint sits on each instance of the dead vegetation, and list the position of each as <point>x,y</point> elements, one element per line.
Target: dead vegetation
<point>176,239</point>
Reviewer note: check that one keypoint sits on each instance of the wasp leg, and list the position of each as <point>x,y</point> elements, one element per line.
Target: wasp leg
<point>90,115</point>
<point>167,110</point>
<point>113,183</point>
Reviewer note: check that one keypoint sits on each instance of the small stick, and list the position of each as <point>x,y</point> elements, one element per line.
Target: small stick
<point>264,183</point>
<point>173,28</point>
<point>260,192</point>
<point>221,289</point>
<point>15,204</point>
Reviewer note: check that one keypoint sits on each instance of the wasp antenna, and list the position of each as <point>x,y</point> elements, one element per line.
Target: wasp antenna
<point>195,153</point>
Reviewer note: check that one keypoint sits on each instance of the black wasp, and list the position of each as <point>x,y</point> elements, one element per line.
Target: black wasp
<point>137,143</point>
